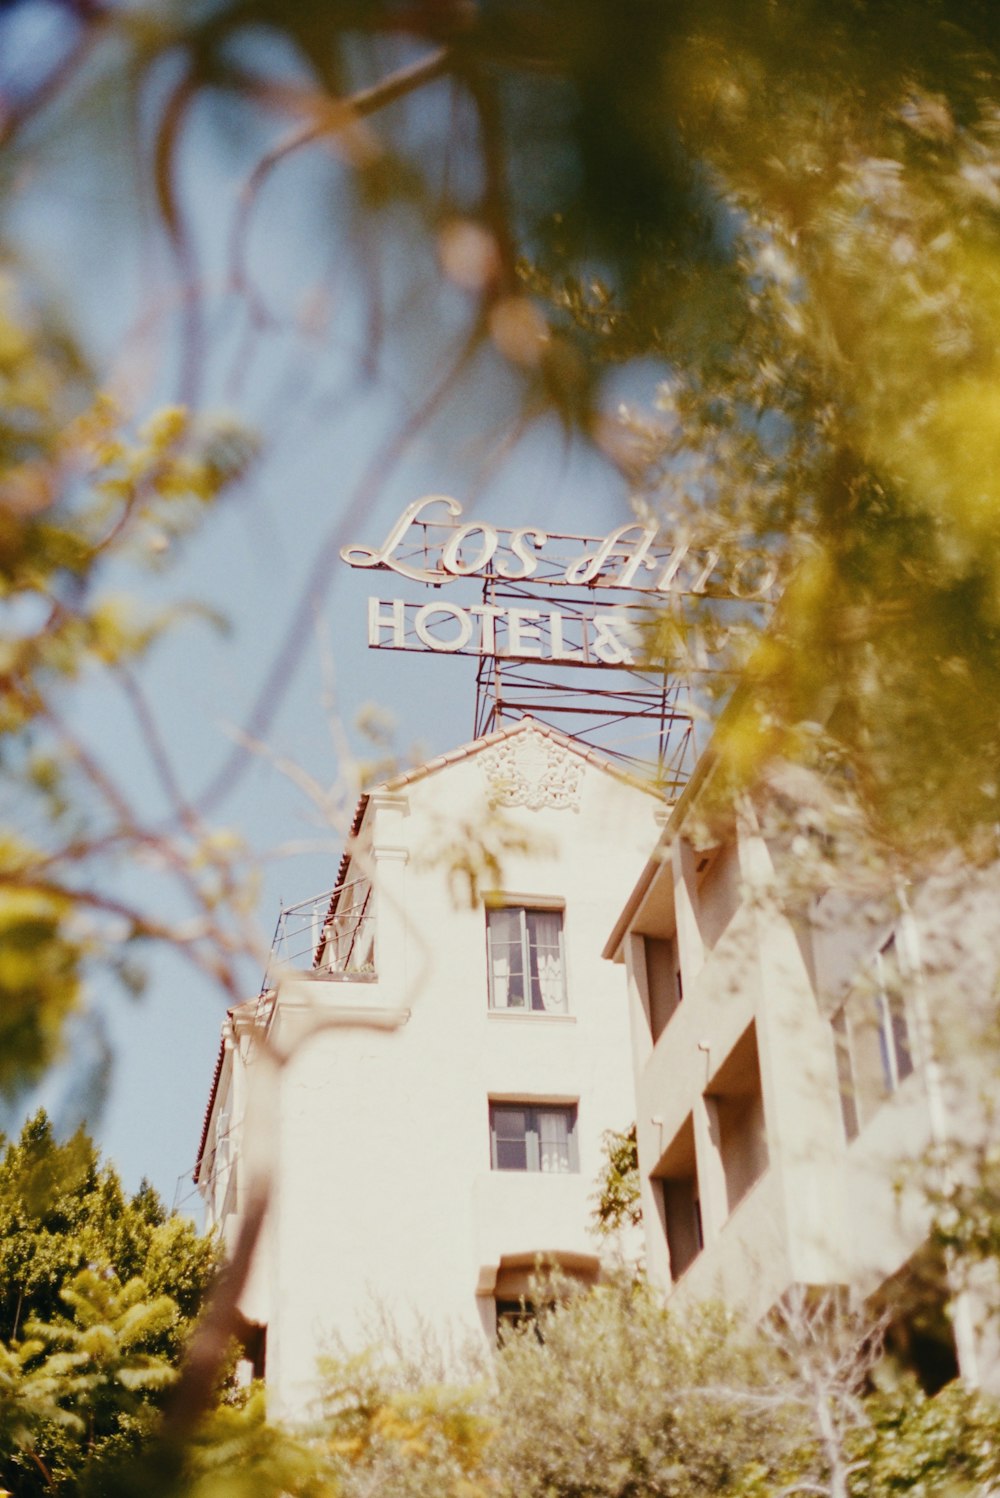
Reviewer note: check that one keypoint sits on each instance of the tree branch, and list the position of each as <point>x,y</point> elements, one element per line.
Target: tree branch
<point>329,118</point>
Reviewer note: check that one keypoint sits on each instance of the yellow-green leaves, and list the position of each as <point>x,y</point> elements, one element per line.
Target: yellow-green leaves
<point>39,980</point>
<point>85,499</point>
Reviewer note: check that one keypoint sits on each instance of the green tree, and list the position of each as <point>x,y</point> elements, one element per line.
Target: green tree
<point>913,1444</point>
<point>63,1211</point>
<point>98,1294</point>
<point>100,1377</point>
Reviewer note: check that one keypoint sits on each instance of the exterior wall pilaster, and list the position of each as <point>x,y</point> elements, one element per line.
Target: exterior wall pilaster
<point>690,944</point>
<point>711,1175</point>
<point>798,1082</point>
<point>637,980</point>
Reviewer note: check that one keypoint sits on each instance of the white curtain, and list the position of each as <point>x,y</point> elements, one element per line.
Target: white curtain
<point>553,1142</point>
<point>545,940</point>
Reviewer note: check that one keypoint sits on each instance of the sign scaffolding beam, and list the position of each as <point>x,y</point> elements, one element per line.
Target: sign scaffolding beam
<point>542,613</point>
<point>641,718</point>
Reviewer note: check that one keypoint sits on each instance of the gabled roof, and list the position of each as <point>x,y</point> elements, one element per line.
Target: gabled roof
<point>216,1078</point>
<point>527,724</point>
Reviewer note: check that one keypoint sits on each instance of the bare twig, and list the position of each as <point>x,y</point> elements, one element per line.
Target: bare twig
<point>320,577</point>
<point>165,166</point>
<point>57,80</point>
<point>325,122</point>
<point>157,751</point>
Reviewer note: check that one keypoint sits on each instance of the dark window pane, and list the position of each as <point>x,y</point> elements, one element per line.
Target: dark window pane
<point>512,1154</point>
<point>885,1054</point>
<point>512,1315</point>
<point>845,1075</point>
<point>510,1139</point>
<point>900,1036</point>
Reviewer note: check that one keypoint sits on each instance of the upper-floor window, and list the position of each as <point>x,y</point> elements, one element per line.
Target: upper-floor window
<point>680,1200</point>
<point>719,894</point>
<point>893,1027</point>
<point>846,1084</point>
<point>533,1137</point>
<point>872,1041</point>
<point>664,988</point>
<point>525,956</point>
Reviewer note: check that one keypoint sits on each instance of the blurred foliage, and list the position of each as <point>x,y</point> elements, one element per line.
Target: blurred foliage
<point>611,1394</point>
<point>235,1452</point>
<point>608,1392</point>
<point>791,207</point>
<point>793,210</point>
<point>912,1444</point>
<point>81,498</point>
<point>97,1296</point>
<point>617,1203</point>
<point>613,1398</point>
<point>380,1428</point>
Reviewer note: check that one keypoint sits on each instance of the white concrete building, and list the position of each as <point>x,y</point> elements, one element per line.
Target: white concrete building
<point>788,1079</point>
<point>429,1090</point>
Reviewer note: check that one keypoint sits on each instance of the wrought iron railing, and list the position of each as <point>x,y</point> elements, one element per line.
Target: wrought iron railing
<point>331,933</point>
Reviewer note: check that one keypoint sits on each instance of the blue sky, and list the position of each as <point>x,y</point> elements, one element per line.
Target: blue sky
<point>300,382</point>
<point>322,420</point>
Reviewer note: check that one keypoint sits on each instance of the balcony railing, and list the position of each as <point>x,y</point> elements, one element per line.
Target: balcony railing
<point>333,933</point>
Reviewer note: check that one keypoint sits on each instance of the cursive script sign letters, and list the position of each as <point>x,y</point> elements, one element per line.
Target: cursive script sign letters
<point>438,549</point>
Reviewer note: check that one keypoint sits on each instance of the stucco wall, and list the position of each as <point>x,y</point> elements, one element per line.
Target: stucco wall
<point>827,1209</point>
<point>385,1201</point>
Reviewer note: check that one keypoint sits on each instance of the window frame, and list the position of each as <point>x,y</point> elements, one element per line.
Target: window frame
<point>884,999</point>
<point>847,1082</point>
<point>662,958</point>
<point>525,906</point>
<point>532,1136</point>
<point>892,1017</point>
<point>677,1189</point>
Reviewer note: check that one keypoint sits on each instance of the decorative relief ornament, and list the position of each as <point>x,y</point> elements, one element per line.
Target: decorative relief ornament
<point>533,770</point>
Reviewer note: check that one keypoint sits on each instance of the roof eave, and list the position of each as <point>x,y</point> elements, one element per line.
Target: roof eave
<point>679,812</point>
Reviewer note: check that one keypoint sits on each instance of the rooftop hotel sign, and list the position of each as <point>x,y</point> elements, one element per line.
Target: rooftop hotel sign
<point>430,544</point>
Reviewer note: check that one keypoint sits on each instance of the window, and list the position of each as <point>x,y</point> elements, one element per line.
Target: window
<point>663,982</point>
<point>513,1316</point>
<point>872,1045</point>
<point>682,1211</point>
<point>524,1137</point>
<point>735,1102</point>
<point>680,1201</point>
<point>525,954</point>
<point>894,1033</point>
<point>845,1075</point>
